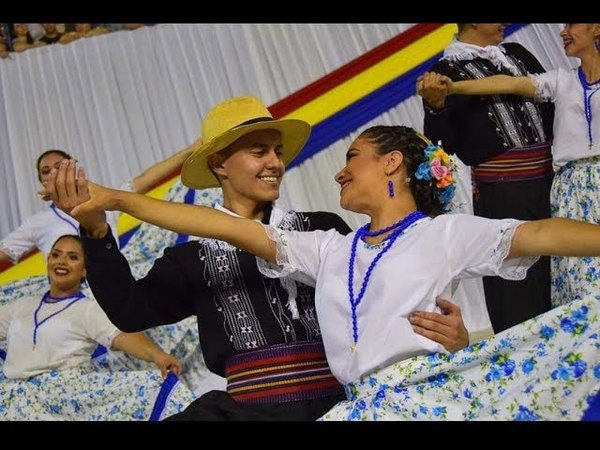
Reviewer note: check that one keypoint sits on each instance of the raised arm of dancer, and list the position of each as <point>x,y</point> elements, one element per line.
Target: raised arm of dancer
<point>86,202</point>
<point>141,346</point>
<point>557,237</point>
<point>154,174</point>
<point>496,84</point>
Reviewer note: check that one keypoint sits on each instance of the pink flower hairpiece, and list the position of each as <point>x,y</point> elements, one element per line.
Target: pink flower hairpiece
<point>438,166</point>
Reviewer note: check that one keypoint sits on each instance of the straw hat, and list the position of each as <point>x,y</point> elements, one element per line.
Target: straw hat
<point>226,123</point>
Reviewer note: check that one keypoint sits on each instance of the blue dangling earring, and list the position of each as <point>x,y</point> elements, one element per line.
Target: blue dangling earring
<point>391,188</point>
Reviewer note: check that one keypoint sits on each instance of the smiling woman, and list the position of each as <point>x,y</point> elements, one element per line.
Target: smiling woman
<point>43,228</point>
<point>60,331</point>
<point>66,268</point>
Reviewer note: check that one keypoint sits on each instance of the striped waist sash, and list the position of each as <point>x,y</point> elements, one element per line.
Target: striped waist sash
<point>527,163</point>
<point>281,373</point>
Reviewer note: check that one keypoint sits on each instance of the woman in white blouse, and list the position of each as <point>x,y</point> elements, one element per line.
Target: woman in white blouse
<point>368,283</point>
<point>48,343</point>
<point>62,329</point>
<point>576,148</point>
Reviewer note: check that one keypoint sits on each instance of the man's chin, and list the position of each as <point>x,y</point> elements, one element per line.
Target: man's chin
<point>271,196</point>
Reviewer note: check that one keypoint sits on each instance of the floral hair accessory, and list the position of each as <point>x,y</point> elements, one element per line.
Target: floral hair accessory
<point>438,166</point>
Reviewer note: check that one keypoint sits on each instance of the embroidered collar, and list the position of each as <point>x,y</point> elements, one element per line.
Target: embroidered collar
<point>496,54</point>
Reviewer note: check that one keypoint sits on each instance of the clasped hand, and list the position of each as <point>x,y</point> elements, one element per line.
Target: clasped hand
<point>83,200</point>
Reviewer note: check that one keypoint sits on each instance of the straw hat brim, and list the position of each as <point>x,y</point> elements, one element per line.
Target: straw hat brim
<point>195,172</point>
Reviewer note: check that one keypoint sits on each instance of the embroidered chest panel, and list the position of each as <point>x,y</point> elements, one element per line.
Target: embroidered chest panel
<point>518,121</point>
<point>254,308</point>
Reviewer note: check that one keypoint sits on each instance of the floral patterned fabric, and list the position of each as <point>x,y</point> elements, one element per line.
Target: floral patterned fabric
<point>547,368</point>
<point>90,393</point>
<point>114,386</point>
<point>576,195</point>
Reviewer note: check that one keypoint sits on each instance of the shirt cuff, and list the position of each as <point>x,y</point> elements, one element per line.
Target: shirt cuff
<point>435,112</point>
<point>100,248</point>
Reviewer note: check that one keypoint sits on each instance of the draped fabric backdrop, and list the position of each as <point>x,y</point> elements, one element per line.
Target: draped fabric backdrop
<point>123,101</point>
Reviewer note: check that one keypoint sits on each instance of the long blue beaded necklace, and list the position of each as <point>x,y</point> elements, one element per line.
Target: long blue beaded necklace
<point>398,228</point>
<point>45,299</point>
<point>588,91</point>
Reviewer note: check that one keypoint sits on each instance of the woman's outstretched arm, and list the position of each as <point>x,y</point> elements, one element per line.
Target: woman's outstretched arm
<point>556,237</point>
<point>494,85</point>
<point>86,202</point>
<point>139,345</point>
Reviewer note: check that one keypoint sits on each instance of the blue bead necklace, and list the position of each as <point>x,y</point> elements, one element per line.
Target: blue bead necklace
<point>45,299</point>
<point>588,91</point>
<point>63,218</point>
<point>386,229</point>
<point>398,228</point>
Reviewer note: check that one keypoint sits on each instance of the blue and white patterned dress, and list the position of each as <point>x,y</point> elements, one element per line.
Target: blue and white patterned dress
<point>55,379</point>
<point>576,188</point>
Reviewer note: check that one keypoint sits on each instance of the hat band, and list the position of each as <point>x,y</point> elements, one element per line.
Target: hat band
<point>251,121</point>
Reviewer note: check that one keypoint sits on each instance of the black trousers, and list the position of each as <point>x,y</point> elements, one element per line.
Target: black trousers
<point>219,405</point>
<point>512,302</point>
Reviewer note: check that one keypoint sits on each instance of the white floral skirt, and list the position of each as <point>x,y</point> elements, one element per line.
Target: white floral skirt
<point>576,195</point>
<point>547,368</point>
<point>87,393</point>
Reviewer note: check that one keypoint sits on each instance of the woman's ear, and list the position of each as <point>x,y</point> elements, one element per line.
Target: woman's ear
<point>394,161</point>
<point>596,31</point>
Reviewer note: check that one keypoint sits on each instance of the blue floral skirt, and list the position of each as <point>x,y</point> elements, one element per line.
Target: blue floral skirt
<point>90,393</point>
<point>547,368</point>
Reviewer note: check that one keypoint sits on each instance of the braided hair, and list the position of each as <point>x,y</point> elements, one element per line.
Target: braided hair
<point>412,146</point>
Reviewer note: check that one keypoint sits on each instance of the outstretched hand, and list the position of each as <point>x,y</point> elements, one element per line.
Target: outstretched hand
<point>100,198</point>
<point>447,328</point>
